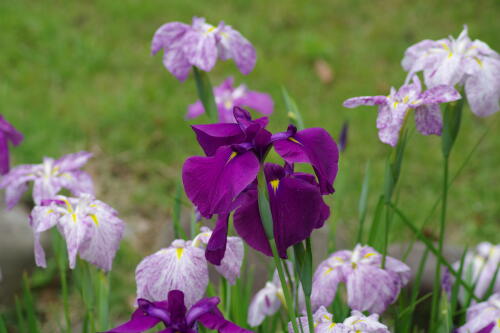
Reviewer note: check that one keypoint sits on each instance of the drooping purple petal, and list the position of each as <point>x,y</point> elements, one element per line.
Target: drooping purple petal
<point>248,225</point>
<point>212,136</point>
<point>364,100</point>
<point>167,35</point>
<point>235,46</point>
<point>139,322</point>
<point>389,124</point>
<point>179,267</point>
<point>212,183</point>
<point>216,247</point>
<point>72,162</point>
<point>176,308</point>
<point>7,133</point>
<point>428,119</point>
<point>200,308</point>
<point>42,219</point>
<point>314,146</point>
<point>176,62</point>
<point>16,183</point>
<point>216,321</point>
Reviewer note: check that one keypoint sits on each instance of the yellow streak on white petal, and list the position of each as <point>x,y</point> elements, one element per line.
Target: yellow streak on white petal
<point>368,255</point>
<point>328,271</point>
<point>73,216</point>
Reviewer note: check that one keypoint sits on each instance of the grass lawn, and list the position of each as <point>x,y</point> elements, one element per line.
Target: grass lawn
<point>79,75</point>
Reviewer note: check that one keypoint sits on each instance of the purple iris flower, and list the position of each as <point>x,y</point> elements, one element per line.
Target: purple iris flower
<point>479,270</point>
<point>200,44</point>
<point>461,61</point>
<point>177,319</point>
<point>183,266</point>
<point>227,97</point>
<point>225,179</point>
<point>393,109</point>
<point>483,317</point>
<point>357,322</point>
<point>7,133</point>
<point>48,178</point>
<point>90,227</point>
<point>369,287</point>
<point>343,136</point>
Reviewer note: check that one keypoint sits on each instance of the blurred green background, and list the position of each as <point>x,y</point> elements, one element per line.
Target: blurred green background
<point>79,75</point>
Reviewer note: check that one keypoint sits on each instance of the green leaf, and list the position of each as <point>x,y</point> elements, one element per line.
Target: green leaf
<point>452,117</point>
<point>176,213</point>
<point>292,110</point>
<point>376,236</point>
<point>444,318</point>
<point>206,93</point>
<point>29,305</point>
<point>3,326</point>
<point>432,249</point>
<point>363,202</point>
<point>21,321</point>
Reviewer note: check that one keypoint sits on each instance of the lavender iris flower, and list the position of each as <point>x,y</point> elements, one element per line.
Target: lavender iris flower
<point>7,133</point>
<point>462,61</point>
<point>268,300</point>
<point>173,314</point>
<point>225,179</point>
<point>48,178</point>
<point>90,227</point>
<point>357,322</point>
<point>369,287</point>
<point>479,269</point>
<point>183,266</point>
<point>200,44</point>
<point>483,317</point>
<point>227,97</point>
<point>393,109</point>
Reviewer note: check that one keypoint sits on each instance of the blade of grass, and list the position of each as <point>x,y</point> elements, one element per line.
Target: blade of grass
<point>21,321</point>
<point>431,248</point>
<point>363,202</point>
<point>29,305</point>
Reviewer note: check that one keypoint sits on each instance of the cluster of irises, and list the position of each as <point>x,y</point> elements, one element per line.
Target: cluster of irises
<point>274,209</point>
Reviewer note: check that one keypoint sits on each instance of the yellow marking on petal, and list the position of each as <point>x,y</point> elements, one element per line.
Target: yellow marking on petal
<point>55,170</point>
<point>332,325</point>
<point>179,252</point>
<point>94,218</point>
<point>450,55</point>
<point>68,205</point>
<point>395,104</point>
<point>338,259</point>
<point>416,101</point>
<point>498,322</point>
<point>368,255</point>
<point>212,28</point>
<point>73,216</point>
<point>281,297</point>
<point>326,317</point>
<point>328,271</point>
<point>93,206</point>
<point>445,46</point>
<point>406,99</point>
<point>294,140</point>
<point>50,211</point>
<point>233,155</point>
<point>274,184</point>
<point>478,61</point>
<point>354,265</point>
<point>228,104</point>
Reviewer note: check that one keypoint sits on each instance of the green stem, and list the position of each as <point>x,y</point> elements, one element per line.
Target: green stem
<point>437,276</point>
<point>206,94</point>
<point>284,285</point>
<point>307,295</point>
<point>64,289</point>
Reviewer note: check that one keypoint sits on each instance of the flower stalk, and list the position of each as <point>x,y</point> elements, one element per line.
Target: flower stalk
<point>205,93</point>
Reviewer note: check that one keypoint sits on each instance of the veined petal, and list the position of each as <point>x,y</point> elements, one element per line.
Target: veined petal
<point>364,100</point>
<point>447,72</point>
<point>212,183</point>
<point>179,267</point>
<point>483,88</point>
<point>175,62</point>
<point>76,233</point>
<point>389,124</point>
<point>360,323</point>
<point>216,246</point>
<point>428,119</point>
<point>234,45</point>
<point>230,266</point>
<point>314,146</point>
<point>105,231</point>
<point>168,34</point>
<point>72,162</point>
<point>440,94</point>
<point>216,321</point>
<point>325,282</point>
<point>42,219</point>
<point>370,288</point>
<point>16,181</point>
<point>200,49</point>
<point>200,308</point>
<point>265,303</point>
<point>213,136</point>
